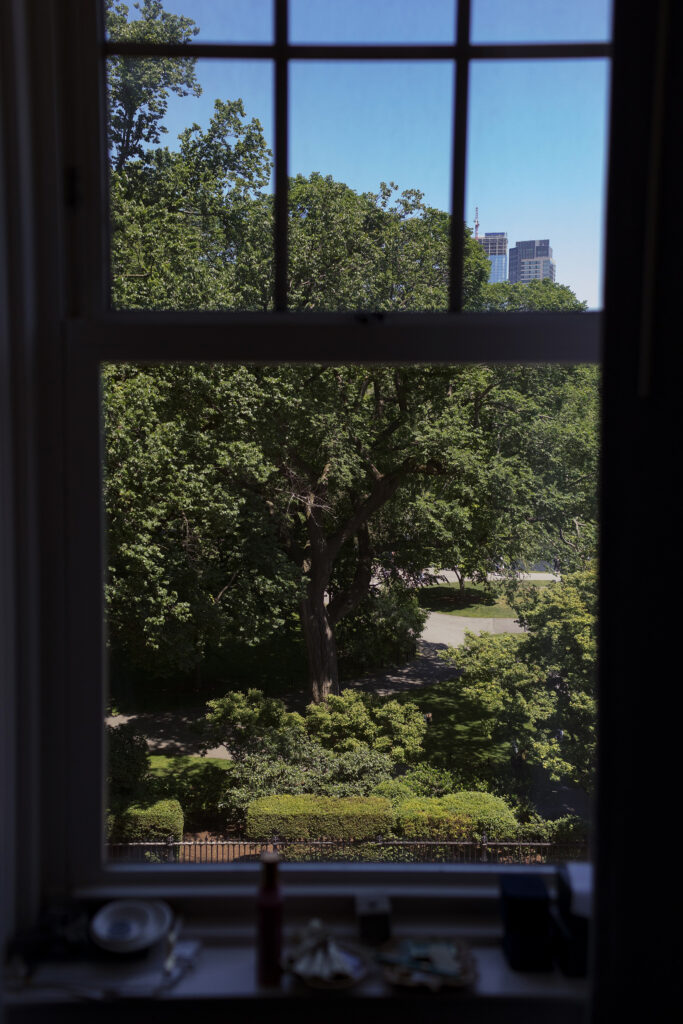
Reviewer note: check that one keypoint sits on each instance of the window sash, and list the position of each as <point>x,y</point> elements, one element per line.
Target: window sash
<point>94,334</point>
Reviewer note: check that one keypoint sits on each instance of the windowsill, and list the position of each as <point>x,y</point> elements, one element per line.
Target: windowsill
<point>225,970</point>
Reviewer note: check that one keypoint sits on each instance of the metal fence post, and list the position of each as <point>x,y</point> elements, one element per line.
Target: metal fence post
<point>484,858</point>
<point>169,850</point>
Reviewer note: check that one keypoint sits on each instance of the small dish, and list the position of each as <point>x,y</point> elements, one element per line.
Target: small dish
<point>128,926</point>
<point>433,963</point>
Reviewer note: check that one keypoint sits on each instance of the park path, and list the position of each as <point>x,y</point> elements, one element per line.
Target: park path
<point>179,732</point>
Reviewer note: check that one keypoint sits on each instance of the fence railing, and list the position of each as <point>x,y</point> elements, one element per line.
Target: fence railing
<point>390,851</point>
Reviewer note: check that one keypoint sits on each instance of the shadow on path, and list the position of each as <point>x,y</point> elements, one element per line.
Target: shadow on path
<point>424,670</point>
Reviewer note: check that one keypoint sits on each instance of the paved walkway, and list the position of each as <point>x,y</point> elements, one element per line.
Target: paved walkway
<point>175,732</point>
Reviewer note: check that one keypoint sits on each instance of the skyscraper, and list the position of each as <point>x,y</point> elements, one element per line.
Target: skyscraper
<point>532,261</point>
<point>495,245</point>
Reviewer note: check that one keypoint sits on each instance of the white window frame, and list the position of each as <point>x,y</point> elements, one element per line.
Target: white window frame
<point>77,333</point>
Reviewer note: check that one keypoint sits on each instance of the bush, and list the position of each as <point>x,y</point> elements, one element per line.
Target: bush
<point>424,780</point>
<point>198,786</point>
<point>153,824</point>
<point>127,764</point>
<point>394,790</point>
<point>356,720</point>
<point>430,818</point>
<point>249,723</point>
<point>316,771</point>
<point>382,631</point>
<point>489,815</point>
<point>319,817</point>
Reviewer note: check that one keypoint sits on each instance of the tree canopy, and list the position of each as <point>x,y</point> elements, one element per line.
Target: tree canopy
<point>241,496</point>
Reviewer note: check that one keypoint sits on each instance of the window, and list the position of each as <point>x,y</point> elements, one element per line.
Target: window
<point>66,695</point>
<point>100,335</point>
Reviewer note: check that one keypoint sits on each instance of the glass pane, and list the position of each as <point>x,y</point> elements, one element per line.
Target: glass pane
<point>381,21</point>
<point>278,533</point>
<point>370,154</point>
<point>541,21</point>
<point>190,183</point>
<point>191,21</point>
<point>536,173</point>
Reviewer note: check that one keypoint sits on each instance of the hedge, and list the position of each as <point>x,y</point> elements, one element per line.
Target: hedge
<point>489,814</point>
<point>319,817</point>
<point>429,818</point>
<point>153,824</point>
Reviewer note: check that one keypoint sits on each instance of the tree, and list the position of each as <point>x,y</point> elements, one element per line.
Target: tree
<point>138,89</point>
<point>235,492</point>
<point>527,700</point>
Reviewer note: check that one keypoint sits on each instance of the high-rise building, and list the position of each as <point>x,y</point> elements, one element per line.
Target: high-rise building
<point>532,261</point>
<point>495,245</point>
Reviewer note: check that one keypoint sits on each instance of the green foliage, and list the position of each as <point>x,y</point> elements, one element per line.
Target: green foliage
<point>317,817</point>
<point>249,723</point>
<point>383,630</point>
<point>138,89</point>
<point>315,771</point>
<point>127,764</point>
<point>431,818</point>
<point>568,829</point>
<point>426,780</point>
<point>197,784</point>
<point>534,296</point>
<point>157,823</point>
<point>488,814</point>
<point>394,790</point>
<point>355,720</point>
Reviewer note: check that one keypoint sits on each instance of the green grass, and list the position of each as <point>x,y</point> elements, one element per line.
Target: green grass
<point>477,600</point>
<point>162,764</point>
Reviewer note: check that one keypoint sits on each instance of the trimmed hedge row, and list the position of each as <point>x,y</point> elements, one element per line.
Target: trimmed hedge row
<point>317,817</point>
<point>153,824</point>
<point>464,816</point>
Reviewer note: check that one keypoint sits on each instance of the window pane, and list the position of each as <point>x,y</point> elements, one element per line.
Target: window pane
<point>536,173</point>
<point>370,154</point>
<point>194,21</point>
<point>541,21</point>
<point>190,183</point>
<point>382,21</point>
<point>278,532</point>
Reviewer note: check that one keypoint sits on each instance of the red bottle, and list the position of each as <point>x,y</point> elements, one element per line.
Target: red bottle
<point>269,910</point>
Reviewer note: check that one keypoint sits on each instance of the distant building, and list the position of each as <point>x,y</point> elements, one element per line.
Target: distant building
<point>532,261</point>
<point>495,245</point>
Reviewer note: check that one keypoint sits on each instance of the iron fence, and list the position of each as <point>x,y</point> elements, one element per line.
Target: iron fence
<point>389,851</point>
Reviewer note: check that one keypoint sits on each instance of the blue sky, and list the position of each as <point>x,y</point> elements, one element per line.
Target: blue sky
<point>537,129</point>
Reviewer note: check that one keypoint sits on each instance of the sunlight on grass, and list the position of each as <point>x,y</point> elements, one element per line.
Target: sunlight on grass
<point>477,600</point>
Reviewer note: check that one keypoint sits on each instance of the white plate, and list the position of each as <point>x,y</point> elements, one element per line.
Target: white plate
<point>127,926</point>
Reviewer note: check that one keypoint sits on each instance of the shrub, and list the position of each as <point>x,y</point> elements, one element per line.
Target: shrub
<point>198,786</point>
<point>318,817</point>
<point>316,771</point>
<point>356,720</point>
<point>127,763</point>
<point>489,814</point>
<point>249,723</point>
<point>424,780</point>
<point>395,790</point>
<point>153,824</point>
<point>430,818</point>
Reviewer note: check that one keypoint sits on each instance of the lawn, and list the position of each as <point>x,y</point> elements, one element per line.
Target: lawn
<point>162,764</point>
<point>477,600</point>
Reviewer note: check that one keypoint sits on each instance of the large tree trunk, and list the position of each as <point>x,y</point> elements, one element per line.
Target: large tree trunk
<point>321,647</point>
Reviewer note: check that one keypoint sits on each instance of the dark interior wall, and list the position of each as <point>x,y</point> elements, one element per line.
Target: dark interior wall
<point>639,643</point>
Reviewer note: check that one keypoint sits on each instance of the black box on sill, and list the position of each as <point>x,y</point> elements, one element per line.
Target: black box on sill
<point>570,919</point>
<point>525,908</point>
